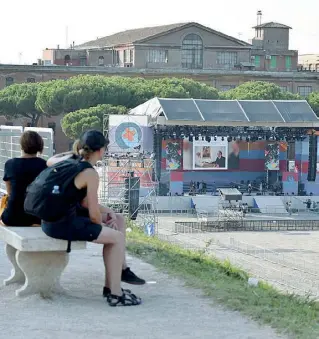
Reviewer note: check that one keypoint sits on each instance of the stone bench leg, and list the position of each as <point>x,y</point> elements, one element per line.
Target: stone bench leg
<point>17,276</point>
<point>42,271</point>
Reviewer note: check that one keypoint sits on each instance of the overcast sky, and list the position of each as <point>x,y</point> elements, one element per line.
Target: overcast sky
<point>29,26</point>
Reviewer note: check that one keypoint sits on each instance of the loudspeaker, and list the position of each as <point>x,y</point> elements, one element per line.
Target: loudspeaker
<point>312,165</point>
<point>132,195</point>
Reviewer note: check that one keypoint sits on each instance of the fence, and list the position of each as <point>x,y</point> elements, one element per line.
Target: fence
<point>246,225</point>
<point>290,273</point>
<point>10,145</point>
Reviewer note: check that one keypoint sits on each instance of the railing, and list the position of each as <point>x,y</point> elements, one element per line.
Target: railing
<point>247,225</point>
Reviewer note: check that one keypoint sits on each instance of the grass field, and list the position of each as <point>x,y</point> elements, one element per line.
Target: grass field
<point>295,316</point>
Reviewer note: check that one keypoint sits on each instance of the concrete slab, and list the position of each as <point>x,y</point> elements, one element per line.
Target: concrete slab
<point>169,309</point>
<point>33,239</point>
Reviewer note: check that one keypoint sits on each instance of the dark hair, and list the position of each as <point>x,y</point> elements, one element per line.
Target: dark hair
<point>31,142</point>
<point>91,141</point>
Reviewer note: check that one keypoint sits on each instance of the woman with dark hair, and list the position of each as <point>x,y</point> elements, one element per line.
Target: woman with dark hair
<point>18,174</point>
<point>91,147</point>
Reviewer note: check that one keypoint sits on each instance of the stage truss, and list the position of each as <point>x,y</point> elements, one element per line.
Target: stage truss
<point>129,185</point>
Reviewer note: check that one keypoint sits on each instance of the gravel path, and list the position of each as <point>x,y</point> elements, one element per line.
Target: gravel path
<point>169,309</point>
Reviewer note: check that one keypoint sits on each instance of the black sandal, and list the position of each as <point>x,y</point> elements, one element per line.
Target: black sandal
<point>126,299</point>
<point>107,292</point>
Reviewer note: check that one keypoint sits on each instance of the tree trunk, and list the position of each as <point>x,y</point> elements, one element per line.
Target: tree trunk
<point>35,120</point>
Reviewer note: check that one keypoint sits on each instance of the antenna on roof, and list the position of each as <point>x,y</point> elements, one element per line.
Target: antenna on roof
<point>259,17</point>
<point>66,37</point>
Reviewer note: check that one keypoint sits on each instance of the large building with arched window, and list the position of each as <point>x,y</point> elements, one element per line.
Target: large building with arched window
<point>182,45</point>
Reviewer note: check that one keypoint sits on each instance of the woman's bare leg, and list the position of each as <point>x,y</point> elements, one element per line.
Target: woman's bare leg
<point>113,256</point>
<point>121,227</point>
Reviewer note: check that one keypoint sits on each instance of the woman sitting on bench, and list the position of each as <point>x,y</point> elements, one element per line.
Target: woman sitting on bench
<point>18,174</point>
<point>92,147</point>
<point>109,218</point>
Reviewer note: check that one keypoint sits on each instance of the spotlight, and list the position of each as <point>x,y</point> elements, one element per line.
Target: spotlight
<point>190,138</point>
<point>247,139</point>
<point>215,138</point>
<point>229,139</point>
<point>208,139</point>
<point>196,138</point>
<point>222,138</point>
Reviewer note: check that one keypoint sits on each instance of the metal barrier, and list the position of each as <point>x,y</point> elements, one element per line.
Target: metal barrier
<point>248,225</point>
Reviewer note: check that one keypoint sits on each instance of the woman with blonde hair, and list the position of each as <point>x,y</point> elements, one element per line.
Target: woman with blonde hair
<point>72,227</point>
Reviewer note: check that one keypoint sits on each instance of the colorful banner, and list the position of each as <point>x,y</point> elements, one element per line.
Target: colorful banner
<point>129,134</point>
<point>272,157</point>
<point>173,154</point>
<point>210,155</point>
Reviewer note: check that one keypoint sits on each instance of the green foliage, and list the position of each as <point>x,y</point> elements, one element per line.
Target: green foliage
<point>88,91</point>
<point>313,100</point>
<point>74,123</point>
<point>258,90</point>
<point>19,101</point>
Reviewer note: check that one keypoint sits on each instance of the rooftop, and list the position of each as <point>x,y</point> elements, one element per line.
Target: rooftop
<point>287,113</point>
<point>138,35</point>
<point>272,24</point>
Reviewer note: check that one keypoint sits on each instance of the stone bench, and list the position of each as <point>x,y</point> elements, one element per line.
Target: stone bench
<point>38,260</point>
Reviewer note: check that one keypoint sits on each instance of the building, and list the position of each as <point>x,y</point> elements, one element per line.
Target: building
<point>183,46</point>
<point>270,48</point>
<point>309,62</point>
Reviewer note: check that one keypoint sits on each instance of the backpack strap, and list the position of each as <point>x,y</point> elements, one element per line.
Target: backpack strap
<point>81,166</point>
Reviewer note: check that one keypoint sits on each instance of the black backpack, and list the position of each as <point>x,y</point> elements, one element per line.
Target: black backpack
<point>47,202</point>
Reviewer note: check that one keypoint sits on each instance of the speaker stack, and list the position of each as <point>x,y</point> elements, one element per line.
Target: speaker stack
<point>312,165</point>
<point>132,195</point>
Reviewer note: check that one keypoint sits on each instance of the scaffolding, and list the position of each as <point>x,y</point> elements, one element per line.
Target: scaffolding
<point>230,213</point>
<point>128,183</point>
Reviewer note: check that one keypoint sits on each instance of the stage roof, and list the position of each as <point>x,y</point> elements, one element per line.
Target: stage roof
<point>288,113</point>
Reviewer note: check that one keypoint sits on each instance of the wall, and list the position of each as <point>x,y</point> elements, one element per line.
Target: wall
<point>215,78</point>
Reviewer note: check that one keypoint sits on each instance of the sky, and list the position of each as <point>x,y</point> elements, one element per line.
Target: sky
<point>29,26</point>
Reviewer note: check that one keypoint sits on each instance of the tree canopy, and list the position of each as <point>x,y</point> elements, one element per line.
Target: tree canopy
<point>19,101</point>
<point>313,100</point>
<point>88,91</point>
<point>258,90</point>
<point>74,123</point>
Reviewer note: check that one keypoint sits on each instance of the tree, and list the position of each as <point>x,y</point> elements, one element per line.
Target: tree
<point>258,90</point>
<point>74,123</point>
<point>313,100</point>
<point>19,101</point>
<point>88,91</point>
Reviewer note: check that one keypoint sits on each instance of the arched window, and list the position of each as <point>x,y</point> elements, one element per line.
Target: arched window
<point>67,60</point>
<point>101,60</point>
<point>192,52</point>
<point>9,81</point>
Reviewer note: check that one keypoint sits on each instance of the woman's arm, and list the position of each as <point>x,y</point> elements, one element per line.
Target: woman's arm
<point>58,158</point>
<point>8,187</point>
<point>90,179</point>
